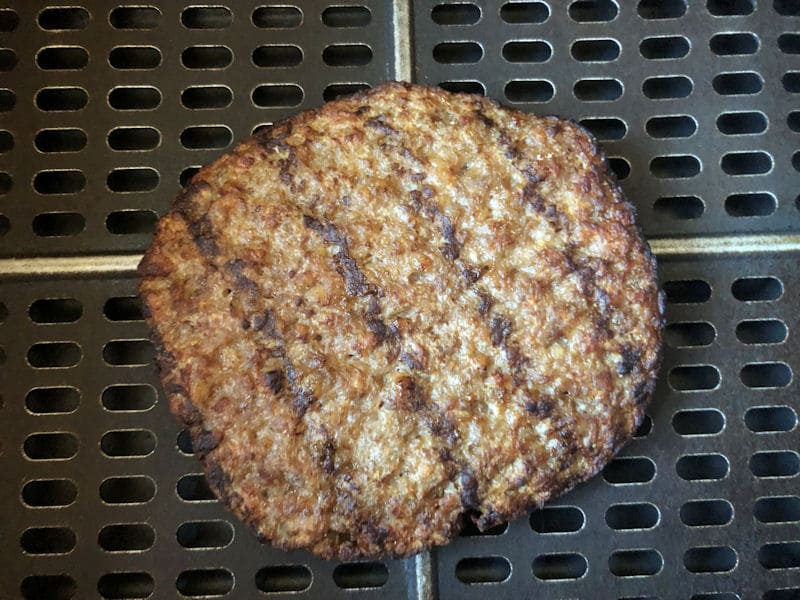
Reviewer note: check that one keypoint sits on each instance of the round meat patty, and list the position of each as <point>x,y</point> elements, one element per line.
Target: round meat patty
<point>400,311</point>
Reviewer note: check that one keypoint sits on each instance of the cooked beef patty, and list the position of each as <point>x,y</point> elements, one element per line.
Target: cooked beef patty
<point>400,311</point>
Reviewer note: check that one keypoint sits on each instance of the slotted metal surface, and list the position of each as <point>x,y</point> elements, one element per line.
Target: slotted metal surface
<point>107,108</point>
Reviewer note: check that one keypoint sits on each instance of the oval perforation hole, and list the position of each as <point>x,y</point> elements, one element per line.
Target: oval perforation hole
<point>347,55</point>
<point>48,540</point>
<point>206,57</point>
<point>44,355</point>
<point>463,87</point>
<point>694,378</point>
<point>346,16</point>
<point>789,43</point>
<point>732,84</point>
<point>60,19</point>
<point>283,578</point>
<point>689,333</point>
<point>58,224</point>
<point>793,121</point>
<point>620,167</point>
<point>557,519</point>
<point>277,17</point>
<point>55,310</point>
<point>206,17</point>
<point>194,488</point>
<point>49,400</point>
<point>742,123</point>
<point>6,184</point>
<point>8,100</point>
<point>360,575</point>
<point>729,8</point>
<point>600,50</point>
<point>746,163</point>
<point>8,60</point>
<point>455,14</point>
<point>60,98</point>
<point>278,95</point>
<point>48,587</point>
<point>605,129</point>
<point>660,9</point>
<point>629,470</point>
<point>700,421</point>
<point>633,563</point>
<point>672,126</point>
<point>679,207</point>
<point>767,419</point>
<point>49,492</point>
<point>135,57</point>
<point>534,51</point>
<point>757,289</point>
<point>762,331</point>
<point>641,515</point>
<point>66,181</point>
<point>129,397</point>
<point>204,582</point>
<point>9,20</point>
<point>483,569</point>
<point>787,8</point>
<point>126,537</point>
<point>675,167</point>
<point>777,509</point>
<point>128,352</point>
<point>710,559</point>
<point>134,98</point>
<point>524,12</point>
<point>128,584</point>
<point>133,179</point>
<point>207,97</point>
<point>664,88</point>
<point>184,442</point>
<point>457,52</point>
<point>751,204</point>
<point>593,11</point>
<point>123,308</point>
<point>729,44</point>
<point>782,555</point>
<point>645,427</point>
<point>135,489</point>
<point>766,375</point>
<point>132,442</point>
<point>555,567</point>
<point>201,137</point>
<point>597,90</point>
<point>62,58</point>
<point>60,140</point>
<point>5,224</point>
<point>339,90</point>
<point>779,463</point>
<point>131,222</point>
<point>50,446</point>
<point>706,513</point>
<point>275,56</point>
<point>205,534</point>
<point>529,90</point>
<point>782,594</point>
<point>135,17</point>
<point>134,138</point>
<point>471,530</point>
<point>702,467</point>
<point>664,48</point>
<point>690,291</point>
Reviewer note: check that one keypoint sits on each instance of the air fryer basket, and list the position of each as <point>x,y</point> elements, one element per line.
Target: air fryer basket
<point>106,109</point>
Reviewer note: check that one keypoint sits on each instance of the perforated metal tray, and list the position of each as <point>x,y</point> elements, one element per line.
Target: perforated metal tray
<point>107,108</point>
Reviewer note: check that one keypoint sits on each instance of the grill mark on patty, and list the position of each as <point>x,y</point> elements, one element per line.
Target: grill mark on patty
<point>198,221</point>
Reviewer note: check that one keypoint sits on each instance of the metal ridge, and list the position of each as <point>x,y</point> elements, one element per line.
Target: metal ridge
<point>662,247</point>
<point>401,32</point>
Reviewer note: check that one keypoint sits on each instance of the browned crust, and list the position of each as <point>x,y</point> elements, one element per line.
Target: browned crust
<point>189,232</point>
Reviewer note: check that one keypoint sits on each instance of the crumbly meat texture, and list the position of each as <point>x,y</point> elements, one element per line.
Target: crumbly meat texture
<point>402,310</point>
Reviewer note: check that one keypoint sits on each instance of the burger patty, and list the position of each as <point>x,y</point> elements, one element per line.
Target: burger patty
<point>402,310</point>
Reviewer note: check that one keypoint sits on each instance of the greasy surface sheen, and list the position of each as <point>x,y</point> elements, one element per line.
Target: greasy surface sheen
<point>401,310</point>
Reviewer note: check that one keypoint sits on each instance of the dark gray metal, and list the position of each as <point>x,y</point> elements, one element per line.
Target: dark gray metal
<point>723,425</point>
